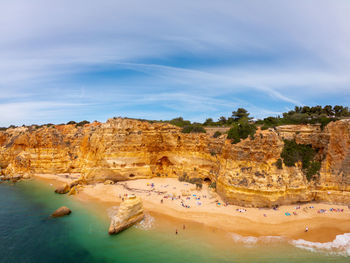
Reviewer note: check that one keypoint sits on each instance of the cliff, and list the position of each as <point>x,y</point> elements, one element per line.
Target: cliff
<point>245,173</point>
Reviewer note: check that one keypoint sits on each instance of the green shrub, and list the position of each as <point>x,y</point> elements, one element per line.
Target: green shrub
<point>193,129</point>
<point>279,163</point>
<point>293,153</point>
<point>82,123</point>
<point>213,185</point>
<point>240,131</point>
<point>180,122</point>
<point>313,169</point>
<point>217,134</point>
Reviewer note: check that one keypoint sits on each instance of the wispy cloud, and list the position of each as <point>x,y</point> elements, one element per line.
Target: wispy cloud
<point>161,59</point>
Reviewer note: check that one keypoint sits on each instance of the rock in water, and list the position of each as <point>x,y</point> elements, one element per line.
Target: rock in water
<point>62,211</point>
<point>129,213</point>
<point>62,189</point>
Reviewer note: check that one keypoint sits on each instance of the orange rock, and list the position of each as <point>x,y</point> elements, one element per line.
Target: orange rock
<point>245,173</point>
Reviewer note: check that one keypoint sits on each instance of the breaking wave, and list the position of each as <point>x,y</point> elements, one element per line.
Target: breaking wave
<point>250,240</point>
<point>340,245</point>
<point>147,223</point>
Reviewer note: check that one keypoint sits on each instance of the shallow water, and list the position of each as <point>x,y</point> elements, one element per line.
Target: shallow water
<point>27,234</point>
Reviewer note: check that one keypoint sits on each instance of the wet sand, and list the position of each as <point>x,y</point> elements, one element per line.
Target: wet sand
<point>323,227</point>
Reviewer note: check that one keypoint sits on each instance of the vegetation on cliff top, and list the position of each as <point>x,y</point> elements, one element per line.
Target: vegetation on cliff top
<point>300,115</point>
<point>307,115</point>
<point>195,128</point>
<point>241,130</point>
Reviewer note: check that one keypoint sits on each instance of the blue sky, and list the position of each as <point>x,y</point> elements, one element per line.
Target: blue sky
<point>75,60</point>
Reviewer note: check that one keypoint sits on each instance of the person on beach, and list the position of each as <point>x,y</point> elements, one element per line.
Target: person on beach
<point>306,229</point>
<point>161,201</point>
<point>176,232</point>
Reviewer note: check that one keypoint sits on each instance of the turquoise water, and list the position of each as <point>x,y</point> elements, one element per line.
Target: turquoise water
<point>27,234</point>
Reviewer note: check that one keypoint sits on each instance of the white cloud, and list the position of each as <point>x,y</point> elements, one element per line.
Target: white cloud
<point>194,56</point>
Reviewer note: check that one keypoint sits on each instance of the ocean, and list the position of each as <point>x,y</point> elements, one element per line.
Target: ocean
<point>28,234</point>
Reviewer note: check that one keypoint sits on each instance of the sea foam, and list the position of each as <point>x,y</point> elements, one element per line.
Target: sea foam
<point>250,240</point>
<point>147,223</point>
<point>340,245</point>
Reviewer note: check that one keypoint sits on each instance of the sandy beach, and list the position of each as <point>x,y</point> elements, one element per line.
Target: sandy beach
<point>182,201</point>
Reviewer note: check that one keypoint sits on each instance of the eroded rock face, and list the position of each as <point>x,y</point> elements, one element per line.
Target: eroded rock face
<point>245,173</point>
<point>62,211</point>
<point>129,213</point>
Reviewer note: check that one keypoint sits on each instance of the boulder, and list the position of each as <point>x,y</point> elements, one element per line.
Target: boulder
<point>108,182</point>
<point>63,189</point>
<point>26,176</point>
<point>129,213</point>
<point>62,211</point>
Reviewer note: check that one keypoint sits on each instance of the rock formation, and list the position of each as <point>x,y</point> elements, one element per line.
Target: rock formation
<point>245,173</point>
<point>62,211</point>
<point>129,213</point>
<point>63,189</point>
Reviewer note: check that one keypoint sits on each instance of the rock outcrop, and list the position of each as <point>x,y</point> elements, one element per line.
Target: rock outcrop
<point>62,211</point>
<point>63,189</point>
<point>129,213</point>
<point>245,173</point>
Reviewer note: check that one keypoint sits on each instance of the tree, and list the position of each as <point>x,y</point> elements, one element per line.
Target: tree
<point>217,134</point>
<point>241,130</point>
<point>208,122</point>
<point>297,109</point>
<point>340,111</point>
<point>222,120</point>
<point>305,109</point>
<point>328,110</point>
<point>316,110</point>
<point>240,113</point>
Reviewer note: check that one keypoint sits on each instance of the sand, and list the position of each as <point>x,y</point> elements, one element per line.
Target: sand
<point>202,206</point>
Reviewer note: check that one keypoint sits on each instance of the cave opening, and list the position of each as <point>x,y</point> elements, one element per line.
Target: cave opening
<point>164,161</point>
<point>131,175</point>
<point>207,180</point>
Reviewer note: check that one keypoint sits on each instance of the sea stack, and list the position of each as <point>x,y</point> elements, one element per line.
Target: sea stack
<point>130,212</point>
<point>62,211</point>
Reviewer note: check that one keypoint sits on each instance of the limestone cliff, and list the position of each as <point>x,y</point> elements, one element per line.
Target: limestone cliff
<point>129,213</point>
<point>245,173</point>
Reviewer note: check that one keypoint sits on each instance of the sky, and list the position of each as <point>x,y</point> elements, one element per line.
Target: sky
<point>93,60</point>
